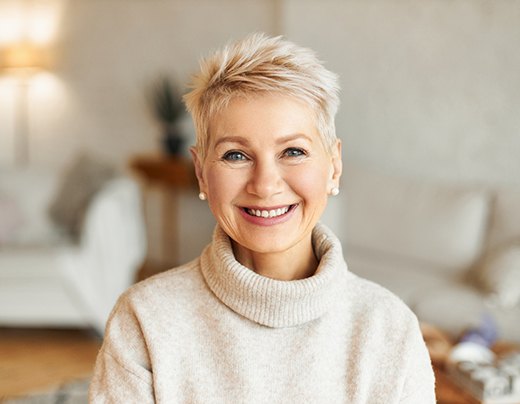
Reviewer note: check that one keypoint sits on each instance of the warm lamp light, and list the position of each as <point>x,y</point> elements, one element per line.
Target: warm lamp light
<point>23,57</point>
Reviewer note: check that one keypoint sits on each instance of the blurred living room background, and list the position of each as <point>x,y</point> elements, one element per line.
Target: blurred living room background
<point>91,200</point>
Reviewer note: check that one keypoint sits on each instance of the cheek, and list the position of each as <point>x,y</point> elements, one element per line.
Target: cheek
<point>222,185</point>
<point>310,184</point>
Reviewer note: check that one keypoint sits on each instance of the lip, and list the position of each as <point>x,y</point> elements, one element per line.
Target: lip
<point>268,221</point>
<point>268,207</point>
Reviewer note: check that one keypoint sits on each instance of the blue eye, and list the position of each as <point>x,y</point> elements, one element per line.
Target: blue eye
<point>234,156</point>
<point>294,152</point>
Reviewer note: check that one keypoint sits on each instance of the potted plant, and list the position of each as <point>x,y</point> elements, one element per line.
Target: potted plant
<point>168,108</point>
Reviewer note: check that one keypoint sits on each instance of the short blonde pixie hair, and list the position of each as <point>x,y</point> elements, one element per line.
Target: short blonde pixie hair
<point>261,64</point>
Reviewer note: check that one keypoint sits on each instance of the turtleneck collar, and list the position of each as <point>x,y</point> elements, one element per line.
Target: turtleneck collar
<point>273,302</point>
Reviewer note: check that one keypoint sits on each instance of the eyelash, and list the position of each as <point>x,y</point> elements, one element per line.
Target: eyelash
<point>300,152</point>
<point>232,154</point>
<point>228,156</point>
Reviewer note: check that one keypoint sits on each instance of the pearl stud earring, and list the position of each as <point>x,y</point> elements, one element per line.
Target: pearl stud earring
<point>334,191</point>
<point>202,196</point>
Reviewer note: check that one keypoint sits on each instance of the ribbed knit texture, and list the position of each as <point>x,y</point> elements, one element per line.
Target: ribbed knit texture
<point>213,331</point>
<point>269,301</point>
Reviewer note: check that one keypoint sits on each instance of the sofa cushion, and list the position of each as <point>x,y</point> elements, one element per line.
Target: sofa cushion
<point>459,306</point>
<point>499,274</point>
<point>428,221</point>
<point>78,184</point>
<point>10,219</point>
<point>33,291</point>
<point>32,262</point>
<point>453,308</point>
<point>29,190</point>
<point>504,226</point>
<point>408,278</point>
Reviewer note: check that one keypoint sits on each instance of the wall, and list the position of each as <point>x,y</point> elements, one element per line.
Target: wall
<point>107,52</point>
<point>430,88</point>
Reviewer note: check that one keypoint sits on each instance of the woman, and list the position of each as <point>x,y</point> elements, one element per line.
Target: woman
<point>268,312</point>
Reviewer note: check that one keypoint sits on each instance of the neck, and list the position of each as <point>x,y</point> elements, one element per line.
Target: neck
<point>297,263</point>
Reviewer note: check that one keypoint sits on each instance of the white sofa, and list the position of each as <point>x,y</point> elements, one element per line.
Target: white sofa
<point>450,251</point>
<point>45,278</point>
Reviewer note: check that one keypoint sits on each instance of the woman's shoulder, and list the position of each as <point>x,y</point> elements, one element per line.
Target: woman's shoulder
<point>173,283</point>
<point>369,296</point>
<point>150,304</point>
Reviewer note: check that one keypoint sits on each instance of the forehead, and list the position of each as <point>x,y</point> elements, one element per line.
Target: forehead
<point>263,118</point>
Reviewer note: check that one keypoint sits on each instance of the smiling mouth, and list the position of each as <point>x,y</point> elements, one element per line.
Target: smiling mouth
<point>269,213</point>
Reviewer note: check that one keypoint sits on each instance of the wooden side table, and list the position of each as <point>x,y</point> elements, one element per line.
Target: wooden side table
<point>448,392</point>
<point>171,175</point>
<point>439,345</point>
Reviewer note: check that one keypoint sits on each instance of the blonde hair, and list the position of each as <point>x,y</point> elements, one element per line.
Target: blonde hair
<point>262,64</point>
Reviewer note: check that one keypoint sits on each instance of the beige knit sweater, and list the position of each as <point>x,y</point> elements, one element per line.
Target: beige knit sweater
<point>213,331</point>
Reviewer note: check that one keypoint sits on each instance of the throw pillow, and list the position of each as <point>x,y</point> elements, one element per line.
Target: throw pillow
<point>30,189</point>
<point>10,219</point>
<point>79,184</point>
<point>499,274</point>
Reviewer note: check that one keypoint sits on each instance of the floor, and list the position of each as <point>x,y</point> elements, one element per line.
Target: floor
<point>38,359</point>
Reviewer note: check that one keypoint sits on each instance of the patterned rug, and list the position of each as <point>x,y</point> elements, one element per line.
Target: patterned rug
<point>75,392</point>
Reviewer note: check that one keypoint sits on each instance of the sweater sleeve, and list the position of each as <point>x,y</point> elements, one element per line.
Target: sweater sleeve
<point>419,384</point>
<point>122,373</point>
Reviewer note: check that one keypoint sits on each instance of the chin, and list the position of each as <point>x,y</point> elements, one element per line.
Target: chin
<point>268,244</point>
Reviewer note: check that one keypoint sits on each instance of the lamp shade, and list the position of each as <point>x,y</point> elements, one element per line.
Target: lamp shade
<point>22,56</point>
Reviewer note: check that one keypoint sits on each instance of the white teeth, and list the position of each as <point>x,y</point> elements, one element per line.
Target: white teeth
<point>268,213</point>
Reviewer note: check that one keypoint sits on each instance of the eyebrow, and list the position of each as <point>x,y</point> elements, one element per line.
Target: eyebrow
<point>231,139</point>
<point>244,141</point>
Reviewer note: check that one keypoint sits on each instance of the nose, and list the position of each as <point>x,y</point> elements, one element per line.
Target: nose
<point>265,179</point>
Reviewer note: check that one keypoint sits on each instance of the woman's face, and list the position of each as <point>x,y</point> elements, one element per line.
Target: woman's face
<point>267,174</point>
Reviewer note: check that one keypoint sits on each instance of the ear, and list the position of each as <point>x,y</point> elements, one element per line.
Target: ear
<point>197,162</point>
<point>337,164</point>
